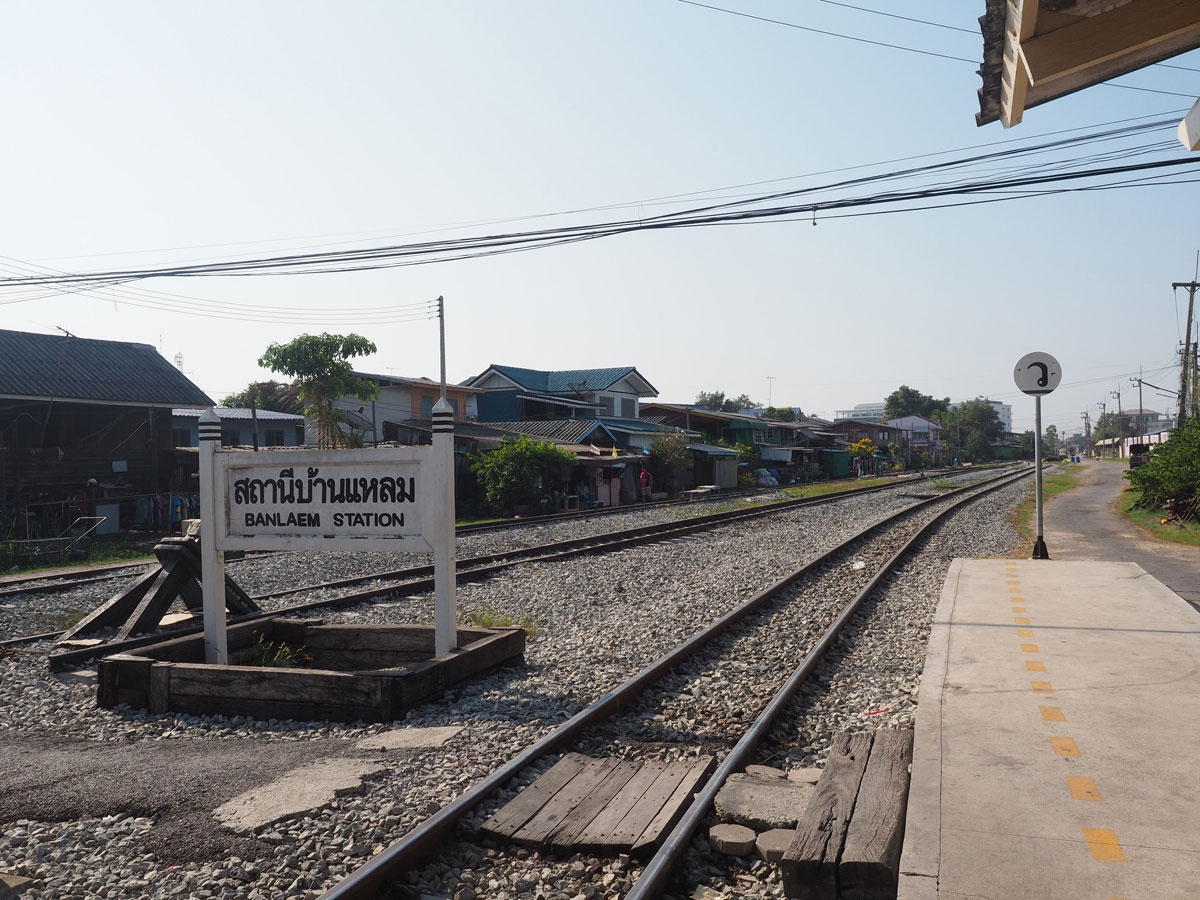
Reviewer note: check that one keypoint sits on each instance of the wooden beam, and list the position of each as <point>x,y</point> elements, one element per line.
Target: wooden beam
<point>1189,128</point>
<point>1098,43</point>
<point>1019,25</point>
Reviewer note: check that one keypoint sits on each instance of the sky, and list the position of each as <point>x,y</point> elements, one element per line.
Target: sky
<point>150,135</point>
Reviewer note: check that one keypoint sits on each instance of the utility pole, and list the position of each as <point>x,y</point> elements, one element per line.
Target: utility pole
<point>1103,408</point>
<point>770,384</point>
<point>1141,422</point>
<point>1120,423</point>
<point>1187,361</point>
<point>1087,431</point>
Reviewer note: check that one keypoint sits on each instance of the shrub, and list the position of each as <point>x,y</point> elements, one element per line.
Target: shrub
<point>510,475</point>
<point>1171,479</point>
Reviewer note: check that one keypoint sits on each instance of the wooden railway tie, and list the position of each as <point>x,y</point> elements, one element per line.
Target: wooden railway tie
<point>140,607</point>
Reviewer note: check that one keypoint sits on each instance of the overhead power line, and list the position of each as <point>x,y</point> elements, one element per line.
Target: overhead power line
<point>904,47</point>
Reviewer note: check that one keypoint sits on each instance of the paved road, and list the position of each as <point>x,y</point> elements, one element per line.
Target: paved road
<point>1081,524</point>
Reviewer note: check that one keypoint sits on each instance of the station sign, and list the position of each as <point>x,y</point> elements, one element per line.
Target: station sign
<point>1037,373</point>
<point>296,499</point>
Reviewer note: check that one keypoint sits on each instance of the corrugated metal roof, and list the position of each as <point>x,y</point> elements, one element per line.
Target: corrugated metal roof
<point>71,368</point>
<point>226,412</point>
<point>565,431</point>
<point>565,380</point>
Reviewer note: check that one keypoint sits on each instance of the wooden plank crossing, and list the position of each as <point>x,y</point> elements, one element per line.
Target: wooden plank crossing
<point>606,805</point>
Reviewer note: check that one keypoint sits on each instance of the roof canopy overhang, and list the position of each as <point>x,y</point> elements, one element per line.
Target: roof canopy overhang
<point>1039,50</point>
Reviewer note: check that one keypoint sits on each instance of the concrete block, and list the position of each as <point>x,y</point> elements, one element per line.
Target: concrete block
<point>762,803</point>
<point>765,772</point>
<point>804,776</point>
<point>732,840</point>
<point>301,790</point>
<point>409,738</point>
<point>772,844</point>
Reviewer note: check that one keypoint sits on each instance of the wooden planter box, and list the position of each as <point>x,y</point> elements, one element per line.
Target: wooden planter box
<point>372,673</point>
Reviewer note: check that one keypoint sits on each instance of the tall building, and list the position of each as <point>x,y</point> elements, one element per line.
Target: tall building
<point>862,412</point>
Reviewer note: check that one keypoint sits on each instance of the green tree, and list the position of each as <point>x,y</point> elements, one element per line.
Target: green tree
<point>1171,478</point>
<point>321,372</point>
<point>969,429</point>
<point>668,453</point>
<point>273,395</point>
<point>906,401</point>
<point>512,474</point>
<point>714,400</point>
<point>741,401</point>
<point>1050,441</point>
<point>1110,425</point>
<point>780,414</point>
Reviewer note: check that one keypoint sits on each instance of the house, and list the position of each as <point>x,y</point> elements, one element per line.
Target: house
<point>879,433</point>
<point>238,427</point>
<point>919,434</point>
<point>515,394</point>
<point>1144,421</point>
<point>402,401</point>
<point>84,419</point>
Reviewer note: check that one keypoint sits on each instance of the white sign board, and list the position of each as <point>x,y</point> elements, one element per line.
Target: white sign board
<point>343,499</point>
<point>1037,373</point>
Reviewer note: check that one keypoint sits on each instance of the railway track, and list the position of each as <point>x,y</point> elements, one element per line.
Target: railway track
<point>51,582</point>
<point>419,579</point>
<point>613,722</point>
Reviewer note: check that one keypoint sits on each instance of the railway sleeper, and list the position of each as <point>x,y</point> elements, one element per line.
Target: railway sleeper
<point>847,844</point>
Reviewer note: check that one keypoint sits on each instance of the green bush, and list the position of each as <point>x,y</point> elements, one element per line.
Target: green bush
<point>1171,479</point>
<point>510,475</point>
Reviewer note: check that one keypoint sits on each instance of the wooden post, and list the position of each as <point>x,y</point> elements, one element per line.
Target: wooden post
<point>212,560</point>
<point>442,536</point>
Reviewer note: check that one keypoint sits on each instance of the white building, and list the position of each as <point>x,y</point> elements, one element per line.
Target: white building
<point>862,412</point>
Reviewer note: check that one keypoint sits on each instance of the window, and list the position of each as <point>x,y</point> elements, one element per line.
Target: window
<point>230,437</point>
<point>299,435</point>
<point>606,405</point>
<point>273,438</point>
<point>181,437</point>
<point>628,408</point>
<point>427,407</point>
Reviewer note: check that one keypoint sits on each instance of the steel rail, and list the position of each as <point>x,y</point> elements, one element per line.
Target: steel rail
<point>656,872</point>
<point>418,579</point>
<point>410,849</point>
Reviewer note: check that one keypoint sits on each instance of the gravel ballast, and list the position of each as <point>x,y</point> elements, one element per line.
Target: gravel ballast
<point>585,610</point>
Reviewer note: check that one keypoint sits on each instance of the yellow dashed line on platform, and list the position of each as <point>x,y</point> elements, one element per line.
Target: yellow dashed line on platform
<point>1034,665</point>
<point>1024,632</point>
<point>1082,788</point>
<point>1029,648</point>
<point>1018,609</point>
<point>1014,581</point>
<point>1065,746</point>
<point>1041,687</point>
<point>1104,844</point>
<point>1021,620</point>
<point>1052,714</point>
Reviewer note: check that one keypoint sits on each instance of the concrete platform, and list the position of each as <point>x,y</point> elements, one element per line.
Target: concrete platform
<point>1057,745</point>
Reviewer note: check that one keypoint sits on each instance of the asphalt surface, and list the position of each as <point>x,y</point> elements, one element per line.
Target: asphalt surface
<point>1083,525</point>
<point>178,783</point>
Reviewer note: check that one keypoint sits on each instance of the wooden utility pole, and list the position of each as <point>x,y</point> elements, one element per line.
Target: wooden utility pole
<point>1187,362</point>
<point>1087,431</point>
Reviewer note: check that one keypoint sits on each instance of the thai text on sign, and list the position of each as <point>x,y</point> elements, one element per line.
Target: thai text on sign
<point>361,499</point>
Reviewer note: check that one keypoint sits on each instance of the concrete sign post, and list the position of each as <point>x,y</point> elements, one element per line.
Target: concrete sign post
<point>397,499</point>
<point>1037,374</point>
<point>212,560</point>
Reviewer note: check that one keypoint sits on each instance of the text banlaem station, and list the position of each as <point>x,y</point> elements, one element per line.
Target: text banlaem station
<point>372,499</point>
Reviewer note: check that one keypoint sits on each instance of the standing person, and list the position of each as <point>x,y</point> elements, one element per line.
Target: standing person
<point>647,485</point>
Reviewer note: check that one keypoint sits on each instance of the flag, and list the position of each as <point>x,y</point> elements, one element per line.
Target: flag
<point>595,450</point>
<point>614,451</point>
